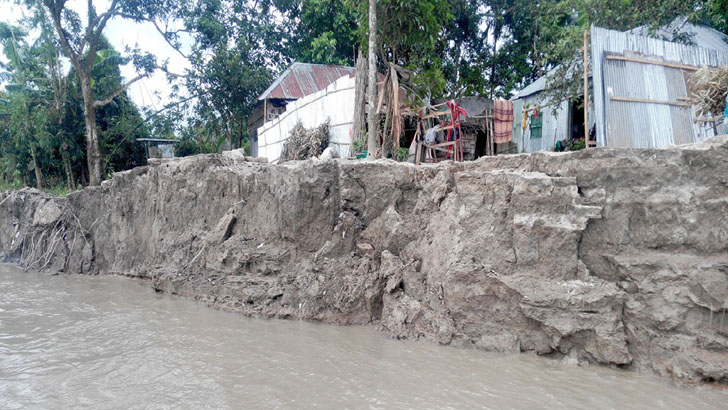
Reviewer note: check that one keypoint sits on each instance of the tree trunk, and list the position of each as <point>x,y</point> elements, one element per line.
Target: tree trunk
<point>372,90</point>
<point>38,173</point>
<point>240,135</point>
<point>66,158</point>
<point>93,156</point>
<point>360,99</point>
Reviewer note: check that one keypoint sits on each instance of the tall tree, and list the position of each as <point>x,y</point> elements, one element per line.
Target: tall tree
<point>27,101</point>
<point>80,43</point>
<point>43,108</point>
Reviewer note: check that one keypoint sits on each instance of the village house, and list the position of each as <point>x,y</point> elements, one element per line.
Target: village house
<point>298,81</point>
<point>640,93</point>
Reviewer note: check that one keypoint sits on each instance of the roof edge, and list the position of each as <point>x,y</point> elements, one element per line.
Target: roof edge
<point>287,71</point>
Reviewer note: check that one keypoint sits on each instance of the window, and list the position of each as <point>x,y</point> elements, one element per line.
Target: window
<point>536,124</point>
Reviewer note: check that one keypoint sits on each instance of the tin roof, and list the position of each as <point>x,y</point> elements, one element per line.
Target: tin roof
<point>698,35</point>
<point>302,79</point>
<point>535,87</point>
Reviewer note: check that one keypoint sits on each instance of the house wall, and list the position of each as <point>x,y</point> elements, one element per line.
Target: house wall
<point>274,107</point>
<point>555,126</point>
<point>469,140</point>
<point>335,103</point>
<point>639,124</point>
<point>162,151</point>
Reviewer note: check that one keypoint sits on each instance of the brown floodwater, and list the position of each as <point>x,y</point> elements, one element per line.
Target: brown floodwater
<point>80,342</point>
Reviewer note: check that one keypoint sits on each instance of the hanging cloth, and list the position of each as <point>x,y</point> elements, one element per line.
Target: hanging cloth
<point>502,121</point>
<point>458,112</point>
<point>525,120</point>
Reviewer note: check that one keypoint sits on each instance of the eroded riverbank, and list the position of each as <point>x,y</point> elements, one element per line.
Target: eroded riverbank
<point>616,257</point>
<point>108,342</point>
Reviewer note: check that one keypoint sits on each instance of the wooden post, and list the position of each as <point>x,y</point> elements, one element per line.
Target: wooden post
<point>586,91</point>
<point>265,110</point>
<point>491,143</point>
<point>360,99</point>
<point>373,118</point>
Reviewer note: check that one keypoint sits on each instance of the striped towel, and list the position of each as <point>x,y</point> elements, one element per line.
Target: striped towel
<point>502,121</point>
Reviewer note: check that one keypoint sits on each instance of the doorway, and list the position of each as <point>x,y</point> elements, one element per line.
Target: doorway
<point>576,119</point>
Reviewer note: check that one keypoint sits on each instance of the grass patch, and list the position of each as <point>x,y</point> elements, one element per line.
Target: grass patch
<point>57,190</point>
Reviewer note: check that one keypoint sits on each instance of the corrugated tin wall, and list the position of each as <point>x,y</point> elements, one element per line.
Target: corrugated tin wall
<point>554,126</point>
<point>641,124</point>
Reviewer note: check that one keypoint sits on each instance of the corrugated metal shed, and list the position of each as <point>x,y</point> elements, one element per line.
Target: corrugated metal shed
<point>622,120</point>
<point>302,79</point>
<point>701,36</point>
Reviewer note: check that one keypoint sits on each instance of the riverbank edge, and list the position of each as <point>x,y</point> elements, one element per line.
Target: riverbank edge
<point>614,257</point>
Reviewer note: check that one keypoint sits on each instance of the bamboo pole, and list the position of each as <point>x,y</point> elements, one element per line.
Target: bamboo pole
<point>660,63</point>
<point>649,101</point>
<point>586,91</point>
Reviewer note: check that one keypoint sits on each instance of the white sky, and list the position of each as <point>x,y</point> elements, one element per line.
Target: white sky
<point>152,92</point>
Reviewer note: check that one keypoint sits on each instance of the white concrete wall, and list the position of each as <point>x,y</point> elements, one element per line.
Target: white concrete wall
<point>335,103</point>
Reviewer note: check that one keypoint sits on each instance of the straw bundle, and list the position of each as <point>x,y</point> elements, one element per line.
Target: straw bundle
<point>709,87</point>
<point>305,143</point>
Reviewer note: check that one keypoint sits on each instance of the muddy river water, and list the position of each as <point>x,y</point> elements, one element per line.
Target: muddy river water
<point>74,342</point>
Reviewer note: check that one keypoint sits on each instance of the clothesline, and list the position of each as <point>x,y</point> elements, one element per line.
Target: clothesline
<point>538,107</point>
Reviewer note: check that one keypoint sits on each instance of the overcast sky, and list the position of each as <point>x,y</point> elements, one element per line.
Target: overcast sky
<point>150,92</point>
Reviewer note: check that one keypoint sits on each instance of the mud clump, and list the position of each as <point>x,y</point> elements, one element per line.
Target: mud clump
<point>617,257</point>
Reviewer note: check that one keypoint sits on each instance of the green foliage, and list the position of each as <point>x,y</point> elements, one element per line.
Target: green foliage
<point>322,31</point>
<point>578,145</point>
<point>716,13</point>
<point>42,132</point>
<point>24,111</point>
<point>408,35</point>
<point>10,185</point>
<point>561,24</point>
<point>59,190</point>
<point>235,46</point>
<point>402,154</point>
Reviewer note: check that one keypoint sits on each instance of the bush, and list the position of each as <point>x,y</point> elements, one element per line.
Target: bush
<point>402,155</point>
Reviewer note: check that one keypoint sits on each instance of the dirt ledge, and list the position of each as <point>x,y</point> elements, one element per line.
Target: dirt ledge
<point>617,257</point>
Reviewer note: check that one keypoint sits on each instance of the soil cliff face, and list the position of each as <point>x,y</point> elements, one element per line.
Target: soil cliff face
<point>616,257</point>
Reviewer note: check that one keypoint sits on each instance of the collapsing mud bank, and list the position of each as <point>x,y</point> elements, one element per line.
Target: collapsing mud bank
<point>617,257</point>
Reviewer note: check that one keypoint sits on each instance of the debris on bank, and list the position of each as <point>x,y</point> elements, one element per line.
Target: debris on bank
<point>305,143</point>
